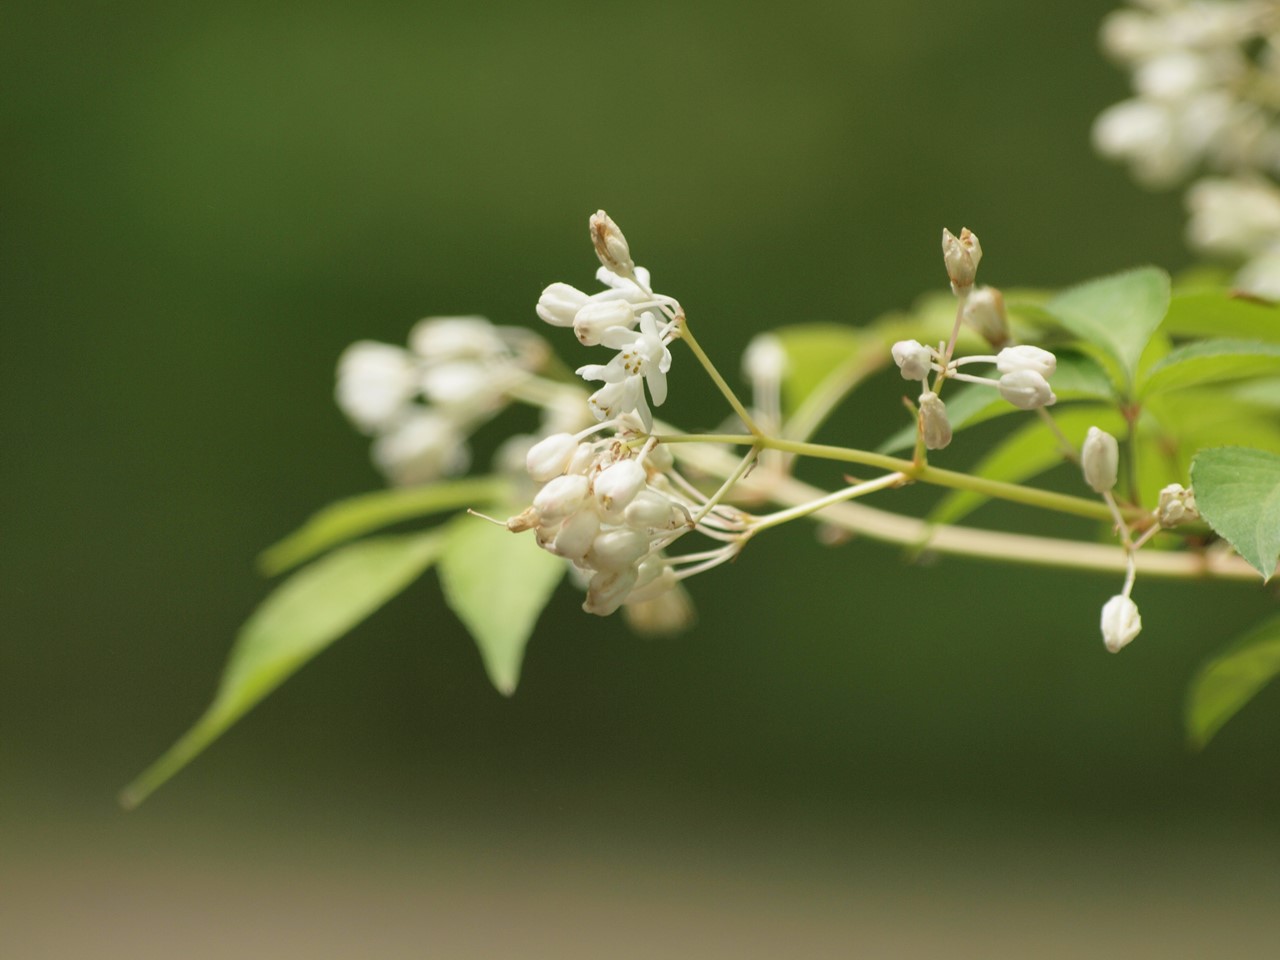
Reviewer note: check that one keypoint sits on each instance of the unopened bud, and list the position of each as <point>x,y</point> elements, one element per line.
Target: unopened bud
<point>1026,390</point>
<point>1177,505</point>
<point>611,245</point>
<point>617,485</point>
<point>1026,357</point>
<point>576,534</point>
<point>561,496</point>
<point>984,311</point>
<point>1100,460</point>
<point>764,360</point>
<point>1120,622</point>
<point>913,359</point>
<point>598,316</point>
<point>961,256</point>
<point>550,456</point>
<point>934,425</point>
<point>526,519</point>
<point>560,303</point>
<point>608,589</point>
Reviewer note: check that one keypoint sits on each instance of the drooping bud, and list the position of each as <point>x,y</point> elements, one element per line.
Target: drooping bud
<point>984,311</point>
<point>934,425</point>
<point>1026,357</point>
<point>561,496</point>
<point>608,589</point>
<point>1026,390</point>
<point>600,315</point>
<point>1177,505</point>
<point>617,485</point>
<point>1100,460</point>
<point>961,256</point>
<point>913,359</point>
<point>550,456</point>
<point>1120,622</point>
<point>611,245</point>
<point>576,534</point>
<point>650,510</point>
<point>560,303</point>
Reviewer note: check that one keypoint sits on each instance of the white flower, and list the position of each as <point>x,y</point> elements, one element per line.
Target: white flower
<point>639,357</point>
<point>560,303</point>
<point>599,316</point>
<point>375,382</point>
<point>440,339</point>
<point>423,446</point>
<point>984,311</point>
<point>913,358</point>
<point>1026,390</point>
<point>617,485</point>
<point>561,496</point>
<point>1120,622</point>
<point>1233,216</point>
<point>1176,505</point>
<point>1100,460</point>
<point>1026,357</point>
<point>550,456</point>
<point>1261,275</point>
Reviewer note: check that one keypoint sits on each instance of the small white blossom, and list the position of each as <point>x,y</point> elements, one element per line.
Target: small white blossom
<point>1026,357</point>
<point>1120,622</point>
<point>560,303</point>
<point>984,312</point>
<point>550,456</point>
<point>913,358</point>
<point>423,446</point>
<point>599,317</point>
<point>643,357</point>
<point>375,381</point>
<point>1176,505</point>
<point>1100,460</point>
<point>1026,390</point>
<point>440,339</point>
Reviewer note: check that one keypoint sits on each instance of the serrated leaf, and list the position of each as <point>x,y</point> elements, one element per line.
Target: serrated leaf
<point>355,516</point>
<point>1238,494</point>
<point>1230,680</point>
<point>305,614</point>
<point>1116,314</point>
<point>1023,454</point>
<point>1215,313</point>
<point>1212,361</point>
<point>497,582</point>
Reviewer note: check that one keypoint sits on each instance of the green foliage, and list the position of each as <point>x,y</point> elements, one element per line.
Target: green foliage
<point>497,584</point>
<point>1116,315</point>
<point>304,615</point>
<point>1211,361</point>
<point>355,516</point>
<point>1216,313</point>
<point>1230,680</point>
<point>1238,494</point>
<point>825,363</point>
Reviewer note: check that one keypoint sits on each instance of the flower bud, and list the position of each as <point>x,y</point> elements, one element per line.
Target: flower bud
<point>934,425</point>
<point>608,589</point>
<point>616,486</point>
<point>667,613</point>
<point>913,359</point>
<point>1026,390</point>
<point>651,587</point>
<point>550,456</point>
<point>1176,505</point>
<point>600,315</point>
<point>526,519</point>
<point>650,510</point>
<point>1026,357</point>
<point>961,256</point>
<point>561,496</point>
<point>560,303</point>
<point>1100,460</point>
<point>764,361</point>
<point>611,245</point>
<point>1120,622</point>
<point>984,311</point>
<point>576,534</point>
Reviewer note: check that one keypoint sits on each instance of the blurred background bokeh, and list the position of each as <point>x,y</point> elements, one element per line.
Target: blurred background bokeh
<point>203,204</point>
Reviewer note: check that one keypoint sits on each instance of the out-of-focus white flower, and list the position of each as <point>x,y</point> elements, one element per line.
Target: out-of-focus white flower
<point>984,312</point>
<point>423,446</point>
<point>1176,505</point>
<point>1121,622</point>
<point>1233,216</point>
<point>375,381</point>
<point>441,339</point>
<point>1026,390</point>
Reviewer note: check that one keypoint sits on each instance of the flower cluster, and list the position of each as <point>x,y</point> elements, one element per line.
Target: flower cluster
<point>611,500</point>
<point>1206,77</point>
<point>1024,370</point>
<point>422,403</point>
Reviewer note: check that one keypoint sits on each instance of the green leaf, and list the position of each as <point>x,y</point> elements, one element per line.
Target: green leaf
<point>1238,494</point>
<point>355,516</point>
<point>300,618</point>
<point>814,351</point>
<point>1211,361</point>
<point>1023,454</point>
<point>1116,314</point>
<point>1215,313</point>
<point>497,582</point>
<point>1230,680</point>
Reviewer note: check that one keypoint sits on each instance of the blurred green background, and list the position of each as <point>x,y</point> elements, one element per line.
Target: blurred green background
<point>203,204</point>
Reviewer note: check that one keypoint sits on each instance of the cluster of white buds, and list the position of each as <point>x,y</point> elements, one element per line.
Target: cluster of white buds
<point>1100,464</point>
<point>611,500</point>
<point>1024,370</point>
<point>1205,77</point>
<point>422,403</point>
<point>1176,505</point>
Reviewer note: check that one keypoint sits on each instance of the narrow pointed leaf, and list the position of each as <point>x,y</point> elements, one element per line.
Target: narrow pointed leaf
<point>305,614</point>
<point>1215,313</point>
<point>497,582</point>
<point>1230,680</point>
<point>1238,494</point>
<point>1212,361</point>
<point>814,351</point>
<point>1116,314</point>
<point>355,516</point>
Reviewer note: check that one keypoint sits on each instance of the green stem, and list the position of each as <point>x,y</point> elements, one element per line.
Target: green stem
<point>687,336</point>
<point>1044,499</point>
<point>821,503</point>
